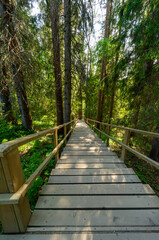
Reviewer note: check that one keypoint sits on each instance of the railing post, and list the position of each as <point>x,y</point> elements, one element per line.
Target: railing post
<point>100,126</point>
<point>65,134</point>
<point>126,140</point>
<point>108,132</point>
<point>14,218</point>
<point>55,144</point>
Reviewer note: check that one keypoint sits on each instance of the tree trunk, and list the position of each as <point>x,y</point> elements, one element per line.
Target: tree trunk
<point>67,14</point>
<point>101,99</point>
<point>7,12</point>
<point>80,100</point>
<point>54,12</point>
<point>5,97</point>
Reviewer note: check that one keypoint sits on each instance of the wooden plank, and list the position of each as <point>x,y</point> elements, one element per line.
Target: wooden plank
<point>91,160</point>
<point>138,154</point>
<point>68,172</point>
<point>95,179</point>
<point>95,218</point>
<point>98,202</point>
<point>88,157</point>
<point>81,148</point>
<point>89,153</point>
<point>99,230</point>
<point>100,189</point>
<point>84,236</point>
<point>8,146</point>
<point>91,165</point>
<point>152,134</point>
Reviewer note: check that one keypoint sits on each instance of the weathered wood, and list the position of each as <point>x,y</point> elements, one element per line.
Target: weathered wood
<point>93,158</point>
<point>95,179</point>
<point>55,144</point>
<point>91,165</point>
<point>140,155</point>
<point>25,187</point>
<point>97,202</point>
<point>90,160</point>
<point>92,172</point>
<point>65,134</point>
<point>100,189</point>
<point>8,146</point>
<point>95,218</point>
<point>14,218</point>
<point>126,140</point>
<point>88,236</point>
<point>89,153</point>
<point>86,148</point>
<point>152,134</point>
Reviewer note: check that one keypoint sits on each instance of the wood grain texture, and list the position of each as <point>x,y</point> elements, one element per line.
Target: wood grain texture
<point>95,179</point>
<point>85,236</point>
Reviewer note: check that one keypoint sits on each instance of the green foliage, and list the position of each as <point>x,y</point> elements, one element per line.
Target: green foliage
<point>9,132</point>
<point>31,160</point>
<point>32,154</point>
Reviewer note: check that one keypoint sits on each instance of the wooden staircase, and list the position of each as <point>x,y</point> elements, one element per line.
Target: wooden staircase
<point>92,195</point>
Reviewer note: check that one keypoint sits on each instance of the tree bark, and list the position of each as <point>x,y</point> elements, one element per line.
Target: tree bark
<point>101,98</point>
<point>7,112</point>
<point>54,12</point>
<point>67,14</point>
<point>7,12</point>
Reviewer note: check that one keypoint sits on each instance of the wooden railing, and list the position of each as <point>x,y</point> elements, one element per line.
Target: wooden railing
<point>124,145</point>
<point>14,204</point>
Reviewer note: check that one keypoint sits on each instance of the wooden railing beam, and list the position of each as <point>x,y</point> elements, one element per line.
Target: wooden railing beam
<point>140,155</point>
<point>14,204</point>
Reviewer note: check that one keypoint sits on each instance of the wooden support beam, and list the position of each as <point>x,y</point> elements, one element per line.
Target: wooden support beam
<point>65,134</point>
<point>55,144</point>
<point>126,140</point>
<point>14,218</point>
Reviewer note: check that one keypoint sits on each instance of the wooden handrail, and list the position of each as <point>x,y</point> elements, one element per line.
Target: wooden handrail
<point>140,155</point>
<point>14,198</point>
<point>13,189</point>
<point>152,134</point>
<point>8,146</point>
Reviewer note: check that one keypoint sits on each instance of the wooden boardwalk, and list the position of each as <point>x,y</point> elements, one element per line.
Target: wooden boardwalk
<point>92,195</point>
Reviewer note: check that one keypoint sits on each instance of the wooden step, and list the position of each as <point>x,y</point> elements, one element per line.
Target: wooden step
<point>94,179</point>
<point>92,172</point>
<point>97,202</point>
<point>91,160</point>
<point>91,165</point>
<point>97,189</point>
<point>83,236</point>
<point>89,153</point>
<point>94,218</point>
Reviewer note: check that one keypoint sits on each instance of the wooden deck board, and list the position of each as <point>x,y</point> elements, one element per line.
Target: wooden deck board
<point>90,165</point>
<point>84,236</point>
<point>97,202</point>
<point>91,172</point>
<point>95,218</point>
<point>100,189</point>
<point>95,179</point>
